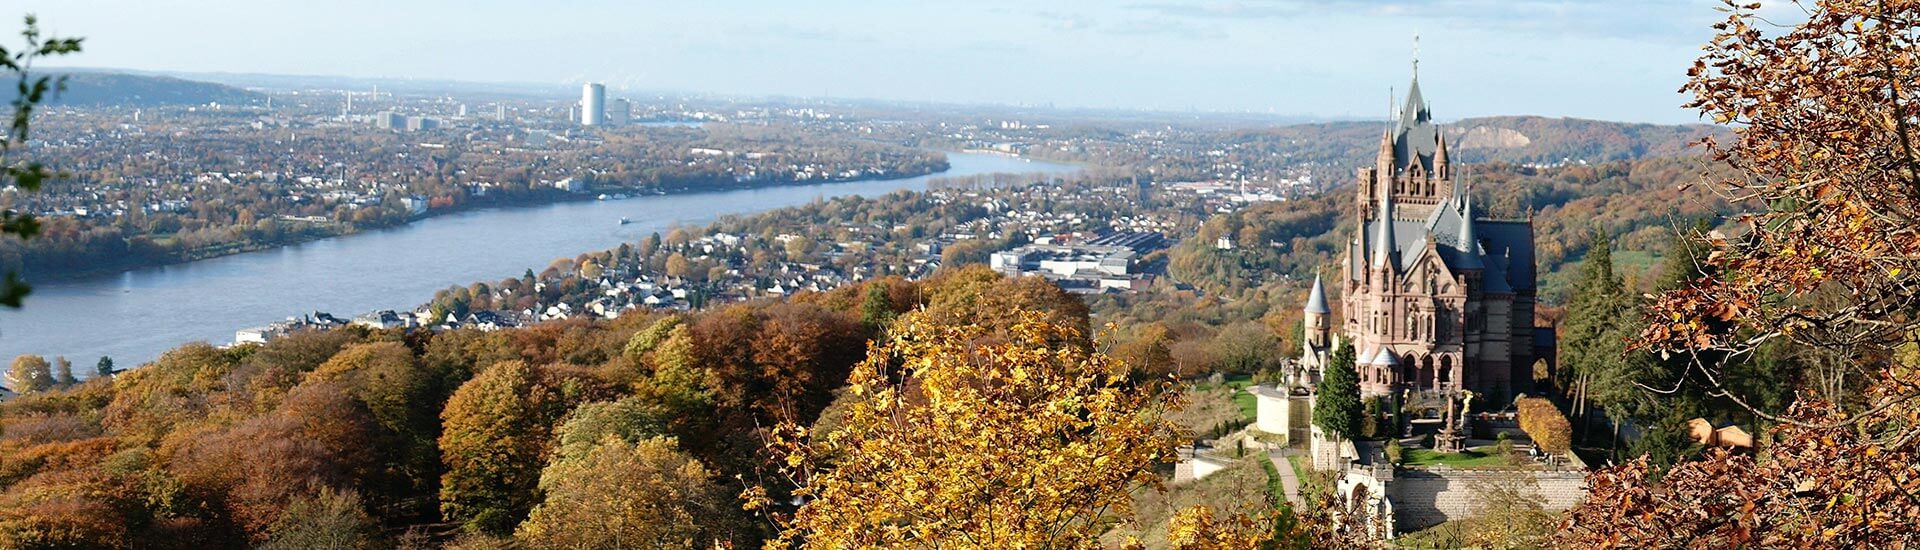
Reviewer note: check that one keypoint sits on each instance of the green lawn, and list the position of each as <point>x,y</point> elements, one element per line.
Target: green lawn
<point>1248,408</point>
<point>1472,458</point>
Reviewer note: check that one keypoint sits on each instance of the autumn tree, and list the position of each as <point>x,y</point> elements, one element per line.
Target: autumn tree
<point>1508,511</point>
<point>493,443</point>
<point>1824,115</point>
<point>947,430</point>
<point>1336,407</point>
<point>63,373</point>
<point>630,494</point>
<point>30,373</point>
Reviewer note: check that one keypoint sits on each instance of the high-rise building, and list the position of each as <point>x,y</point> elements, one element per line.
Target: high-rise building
<point>619,111</point>
<point>418,123</point>
<point>593,100</point>
<point>500,111</point>
<point>388,120</point>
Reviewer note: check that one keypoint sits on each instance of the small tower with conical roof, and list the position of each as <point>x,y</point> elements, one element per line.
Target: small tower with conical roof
<point>1314,318</point>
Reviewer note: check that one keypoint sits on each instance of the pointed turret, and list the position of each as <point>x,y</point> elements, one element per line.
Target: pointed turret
<point>1314,320</point>
<point>1468,242</point>
<point>1383,244</point>
<point>1317,299</point>
<point>1441,169</point>
<point>1415,111</point>
<point>1384,161</point>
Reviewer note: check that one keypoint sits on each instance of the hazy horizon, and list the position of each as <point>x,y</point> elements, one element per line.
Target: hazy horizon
<point>1336,59</point>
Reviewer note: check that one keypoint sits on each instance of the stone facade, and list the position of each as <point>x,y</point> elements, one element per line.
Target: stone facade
<point>1282,413</point>
<point>1423,498</point>
<point>1435,299</point>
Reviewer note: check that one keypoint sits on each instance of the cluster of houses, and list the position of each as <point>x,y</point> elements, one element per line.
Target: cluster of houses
<point>378,320</point>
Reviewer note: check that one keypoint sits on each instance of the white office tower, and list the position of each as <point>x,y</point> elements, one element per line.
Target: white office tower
<point>619,111</point>
<point>593,101</point>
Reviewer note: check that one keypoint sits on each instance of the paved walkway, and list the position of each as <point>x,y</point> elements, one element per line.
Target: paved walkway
<point>1289,483</point>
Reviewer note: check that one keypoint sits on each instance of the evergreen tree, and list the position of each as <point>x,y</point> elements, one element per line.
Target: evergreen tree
<point>1336,410</point>
<point>877,311</point>
<point>104,368</point>
<point>1593,338</point>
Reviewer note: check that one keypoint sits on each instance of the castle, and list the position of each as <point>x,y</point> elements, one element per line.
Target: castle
<point>1435,299</point>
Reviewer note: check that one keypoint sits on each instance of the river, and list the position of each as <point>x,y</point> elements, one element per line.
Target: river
<point>135,316</point>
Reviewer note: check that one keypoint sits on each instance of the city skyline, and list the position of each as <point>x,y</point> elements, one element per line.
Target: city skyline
<point>1621,61</point>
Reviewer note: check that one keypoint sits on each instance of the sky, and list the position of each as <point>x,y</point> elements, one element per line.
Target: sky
<point>1613,59</point>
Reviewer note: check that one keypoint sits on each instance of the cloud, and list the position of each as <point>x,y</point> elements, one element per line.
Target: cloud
<point>1162,27</point>
<point>1628,19</point>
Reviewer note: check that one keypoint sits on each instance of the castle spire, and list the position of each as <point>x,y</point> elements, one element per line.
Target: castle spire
<point>1383,245</point>
<point>1317,300</point>
<point>1441,168</point>
<point>1467,240</point>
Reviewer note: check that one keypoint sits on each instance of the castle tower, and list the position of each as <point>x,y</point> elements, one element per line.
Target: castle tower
<point>1314,317</point>
<point>1436,299</point>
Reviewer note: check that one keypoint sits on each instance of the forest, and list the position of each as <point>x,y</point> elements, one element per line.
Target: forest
<point>352,438</point>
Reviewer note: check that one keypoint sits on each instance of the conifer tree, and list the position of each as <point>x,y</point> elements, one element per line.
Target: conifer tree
<point>1337,408</point>
<point>1600,318</point>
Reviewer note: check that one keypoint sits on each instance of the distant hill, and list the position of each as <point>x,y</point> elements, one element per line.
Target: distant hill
<point>92,88</point>
<point>1532,139</point>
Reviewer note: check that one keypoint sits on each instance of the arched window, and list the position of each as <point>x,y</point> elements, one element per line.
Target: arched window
<point>1426,372</point>
<point>1446,369</point>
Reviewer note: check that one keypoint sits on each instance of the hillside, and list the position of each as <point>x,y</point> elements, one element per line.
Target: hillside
<point>1638,202</point>
<point>90,88</point>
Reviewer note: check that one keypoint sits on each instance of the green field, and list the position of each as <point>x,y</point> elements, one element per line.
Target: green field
<point>1480,457</point>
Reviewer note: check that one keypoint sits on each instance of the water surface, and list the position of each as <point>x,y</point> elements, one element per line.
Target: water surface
<point>135,316</point>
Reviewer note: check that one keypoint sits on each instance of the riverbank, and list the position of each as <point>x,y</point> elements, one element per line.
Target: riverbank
<point>135,315</point>
<point>317,231</point>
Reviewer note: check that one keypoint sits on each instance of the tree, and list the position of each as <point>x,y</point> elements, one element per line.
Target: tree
<point>1336,407</point>
<point>1824,147</point>
<point>104,368</point>
<point>492,444</point>
<point>331,520</point>
<point>1150,352</point>
<point>1060,430</point>
<point>877,310</point>
<point>630,494</point>
<point>30,373</point>
<point>63,373</point>
<point>26,175</point>
<point>1593,342</point>
<point>1543,422</point>
<point>1508,511</point>
<point>678,266</point>
<point>1244,348</point>
<point>630,420</point>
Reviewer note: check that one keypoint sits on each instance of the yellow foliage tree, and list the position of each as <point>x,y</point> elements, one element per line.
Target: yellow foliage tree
<point>959,441</point>
<point>645,494</point>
